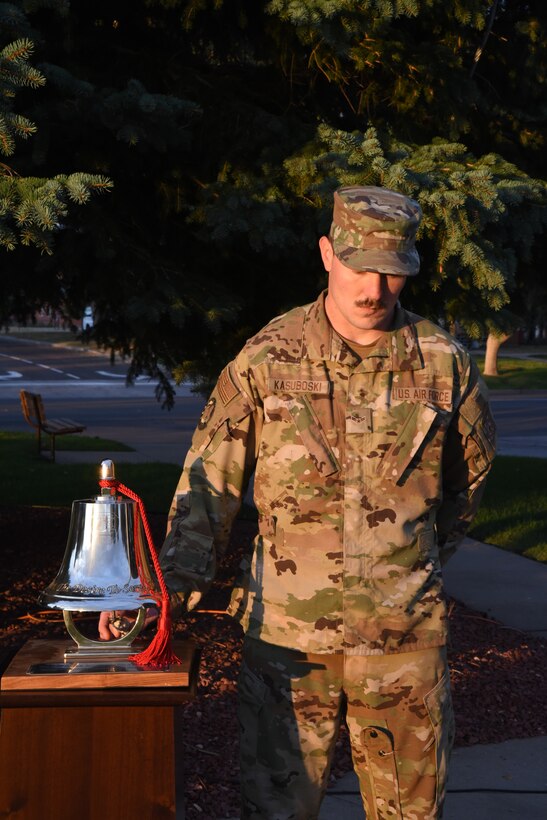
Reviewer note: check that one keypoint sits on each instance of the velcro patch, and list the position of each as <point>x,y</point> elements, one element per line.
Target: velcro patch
<point>432,395</point>
<point>317,386</point>
<point>226,386</point>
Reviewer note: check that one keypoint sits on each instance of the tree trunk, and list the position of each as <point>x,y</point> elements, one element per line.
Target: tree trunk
<point>493,344</point>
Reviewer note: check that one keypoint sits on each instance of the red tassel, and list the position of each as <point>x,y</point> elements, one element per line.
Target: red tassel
<point>159,652</point>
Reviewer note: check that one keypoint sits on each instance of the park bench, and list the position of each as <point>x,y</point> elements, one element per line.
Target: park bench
<point>35,415</point>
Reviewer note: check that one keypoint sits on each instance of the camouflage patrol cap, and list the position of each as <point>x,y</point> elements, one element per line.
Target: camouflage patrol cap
<point>375,229</point>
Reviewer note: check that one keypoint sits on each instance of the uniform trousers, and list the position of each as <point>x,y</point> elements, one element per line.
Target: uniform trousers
<point>398,711</point>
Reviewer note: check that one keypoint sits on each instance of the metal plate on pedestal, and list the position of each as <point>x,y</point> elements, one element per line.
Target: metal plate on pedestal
<point>85,668</point>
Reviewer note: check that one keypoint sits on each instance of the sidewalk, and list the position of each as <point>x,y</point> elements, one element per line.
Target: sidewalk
<point>495,782</point>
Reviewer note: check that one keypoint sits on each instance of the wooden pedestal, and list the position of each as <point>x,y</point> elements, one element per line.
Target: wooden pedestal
<point>90,747</point>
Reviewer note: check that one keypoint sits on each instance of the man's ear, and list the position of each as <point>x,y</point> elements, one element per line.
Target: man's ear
<point>327,253</point>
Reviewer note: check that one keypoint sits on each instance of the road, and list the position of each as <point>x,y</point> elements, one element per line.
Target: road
<point>84,385</point>
<point>22,360</point>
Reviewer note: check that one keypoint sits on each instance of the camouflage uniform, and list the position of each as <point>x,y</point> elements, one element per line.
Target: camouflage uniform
<point>398,712</point>
<point>367,474</point>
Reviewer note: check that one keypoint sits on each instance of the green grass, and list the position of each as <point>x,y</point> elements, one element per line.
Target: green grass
<point>512,515</point>
<point>70,442</point>
<point>27,479</point>
<point>513,511</point>
<point>516,374</point>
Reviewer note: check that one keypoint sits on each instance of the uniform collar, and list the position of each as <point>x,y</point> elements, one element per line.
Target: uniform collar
<point>399,349</point>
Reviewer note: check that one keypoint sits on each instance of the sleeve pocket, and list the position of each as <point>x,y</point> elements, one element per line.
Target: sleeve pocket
<point>221,427</point>
<point>193,551</point>
<point>477,424</point>
<point>228,405</point>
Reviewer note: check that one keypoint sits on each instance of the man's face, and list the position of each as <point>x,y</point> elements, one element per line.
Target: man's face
<point>358,301</point>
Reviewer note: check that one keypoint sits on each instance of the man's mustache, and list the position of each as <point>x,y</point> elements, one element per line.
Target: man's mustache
<point>374,304</point>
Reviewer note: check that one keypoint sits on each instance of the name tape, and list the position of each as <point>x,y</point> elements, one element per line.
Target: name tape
<point>299,386</point>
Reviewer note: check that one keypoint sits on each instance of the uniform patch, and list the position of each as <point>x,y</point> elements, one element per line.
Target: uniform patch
<point>226,386</point>
<point>299,386</point>
<point>428,394</point>
<point>208,411</point>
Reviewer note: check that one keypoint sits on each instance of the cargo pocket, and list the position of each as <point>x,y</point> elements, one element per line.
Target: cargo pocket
<point>438,703</point>
<point>384,798</point>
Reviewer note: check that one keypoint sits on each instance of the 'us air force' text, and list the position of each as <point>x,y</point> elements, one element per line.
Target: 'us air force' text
<point>430,394</point>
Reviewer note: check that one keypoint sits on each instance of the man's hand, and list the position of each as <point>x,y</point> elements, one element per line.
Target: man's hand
<point>118,623</point>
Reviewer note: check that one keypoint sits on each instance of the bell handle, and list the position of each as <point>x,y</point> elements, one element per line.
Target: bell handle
<point>84,642</point>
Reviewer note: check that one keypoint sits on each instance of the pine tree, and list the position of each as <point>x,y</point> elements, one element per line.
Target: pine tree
<point>225,127</point>
<point>32,210</point>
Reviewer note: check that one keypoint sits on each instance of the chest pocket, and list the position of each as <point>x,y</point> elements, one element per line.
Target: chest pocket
<point>312,435</point>
<point>413,432</point>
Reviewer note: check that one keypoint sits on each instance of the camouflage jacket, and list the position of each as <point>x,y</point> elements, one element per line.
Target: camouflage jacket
<point>367,473</point>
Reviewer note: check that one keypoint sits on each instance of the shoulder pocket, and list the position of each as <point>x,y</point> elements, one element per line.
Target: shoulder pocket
<point>217,422</point>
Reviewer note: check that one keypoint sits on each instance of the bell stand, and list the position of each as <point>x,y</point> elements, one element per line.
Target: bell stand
<point>89,649</point>
<point>92,745</point>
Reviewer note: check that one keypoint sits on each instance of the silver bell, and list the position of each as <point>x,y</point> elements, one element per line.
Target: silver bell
<point>105,550</point>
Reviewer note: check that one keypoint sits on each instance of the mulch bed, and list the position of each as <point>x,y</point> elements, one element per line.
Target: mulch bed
<point>497,672</point>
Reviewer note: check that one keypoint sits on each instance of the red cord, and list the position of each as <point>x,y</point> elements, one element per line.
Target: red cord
<point>160,652</point>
